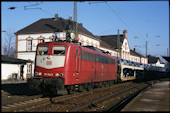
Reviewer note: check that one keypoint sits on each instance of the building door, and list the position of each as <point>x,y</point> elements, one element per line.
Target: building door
<point>22,72</point>
<point>29,70</point>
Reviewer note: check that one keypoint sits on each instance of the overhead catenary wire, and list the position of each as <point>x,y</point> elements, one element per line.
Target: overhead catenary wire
<point>119,17</point>
<point>144,39</point>
<point>128,26</point>
<point>35,5</point>
<point>123,22</point>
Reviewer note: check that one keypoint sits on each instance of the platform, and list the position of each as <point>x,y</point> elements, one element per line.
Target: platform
<point>14,82</point>
<point>154,98</point>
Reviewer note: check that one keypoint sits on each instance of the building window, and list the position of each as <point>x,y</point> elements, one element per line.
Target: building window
<point>92,43</point>
<point>41,40</point>
<point>29,68</point>
<point>87,42</point>
<point>29,45</point>
<point>51,38</point>
<point>82,42</point>
<point>96,44</point>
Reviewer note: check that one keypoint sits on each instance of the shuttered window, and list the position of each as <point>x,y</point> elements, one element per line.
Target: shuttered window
<point>29,45</point>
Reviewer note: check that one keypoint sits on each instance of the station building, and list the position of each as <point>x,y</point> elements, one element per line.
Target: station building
<point>46,29</point>
<point>155,61</point>
<point>110,43</point>
<point>11,68</point>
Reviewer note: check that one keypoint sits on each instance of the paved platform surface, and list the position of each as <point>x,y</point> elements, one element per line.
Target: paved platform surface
<point>14,82</point>
<point>154,98</point>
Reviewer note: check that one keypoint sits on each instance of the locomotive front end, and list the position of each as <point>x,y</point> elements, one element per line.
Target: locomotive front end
<point>49,68</point>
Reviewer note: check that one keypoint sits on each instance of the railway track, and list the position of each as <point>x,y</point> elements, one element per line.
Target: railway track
<point>81,101</point>
<point>122,103</point>
<point>22,104</point>
<point>18,99</point>
<point>12,107</point>
<point>103,103</point>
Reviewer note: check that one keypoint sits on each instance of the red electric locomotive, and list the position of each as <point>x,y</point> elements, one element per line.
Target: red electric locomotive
<point>62,67</point>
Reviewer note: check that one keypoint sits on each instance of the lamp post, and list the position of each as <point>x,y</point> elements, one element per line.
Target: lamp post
<point>118,44</point>
<point>146,45</point>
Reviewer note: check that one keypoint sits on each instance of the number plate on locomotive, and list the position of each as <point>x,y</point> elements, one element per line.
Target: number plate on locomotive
<point>49,63</point>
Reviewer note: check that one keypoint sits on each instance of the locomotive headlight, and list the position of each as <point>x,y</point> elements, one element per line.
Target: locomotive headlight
<point>57,74</point>
<point>40,73</point>
<point>35,74</point>
<point>48,57</point>
<point>61,74</point>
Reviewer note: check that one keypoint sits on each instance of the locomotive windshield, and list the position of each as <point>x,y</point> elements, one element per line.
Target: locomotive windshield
<point>43,50</point>
<point>59,50</point>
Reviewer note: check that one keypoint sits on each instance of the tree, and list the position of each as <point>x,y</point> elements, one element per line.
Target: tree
<point>8,47</point>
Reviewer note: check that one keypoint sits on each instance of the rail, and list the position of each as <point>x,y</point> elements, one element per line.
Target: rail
<point>92,103</point>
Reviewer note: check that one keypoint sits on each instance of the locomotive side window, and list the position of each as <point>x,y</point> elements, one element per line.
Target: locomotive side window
<point>112,61</point>
<point>102,59</point>
<point>96,58</point>
<point>87,56</point>
<point>92,57</point>
<point>59,50</point>
<point>43,50</point>
<point>77,52</point>
<point>84,55</point>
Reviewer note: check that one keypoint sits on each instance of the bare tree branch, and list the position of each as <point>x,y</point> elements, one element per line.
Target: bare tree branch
<point>8,47</point>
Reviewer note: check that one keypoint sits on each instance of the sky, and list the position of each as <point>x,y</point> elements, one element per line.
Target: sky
<point>143,20</point>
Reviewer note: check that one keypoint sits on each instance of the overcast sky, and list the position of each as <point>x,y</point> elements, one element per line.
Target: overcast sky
<point>139,18</point>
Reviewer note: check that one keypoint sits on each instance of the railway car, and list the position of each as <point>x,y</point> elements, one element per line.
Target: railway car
<point>62,67</point>
<point>129,71</point>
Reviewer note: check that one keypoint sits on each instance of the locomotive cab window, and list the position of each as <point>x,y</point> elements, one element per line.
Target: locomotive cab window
<point>59,50</point>
<point>77,52</point>
<point>43,50</point>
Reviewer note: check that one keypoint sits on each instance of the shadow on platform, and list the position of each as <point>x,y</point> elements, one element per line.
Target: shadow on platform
<point>19,89</point>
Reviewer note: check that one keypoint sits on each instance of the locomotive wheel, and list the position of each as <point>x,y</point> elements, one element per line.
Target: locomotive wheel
<point>103,84</point>
<point>81,87</point>
<point>109,83</point>
<point>89,86</point>
<point>70,89</point>
<point>97,85</point>
<point>100,84</point>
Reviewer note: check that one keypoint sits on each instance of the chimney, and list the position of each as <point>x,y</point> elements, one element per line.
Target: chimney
<point>134,49</point>
<point>125,33</point>
<point>56,16</point>
<point>70,17</point>
<point>81,24</point>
